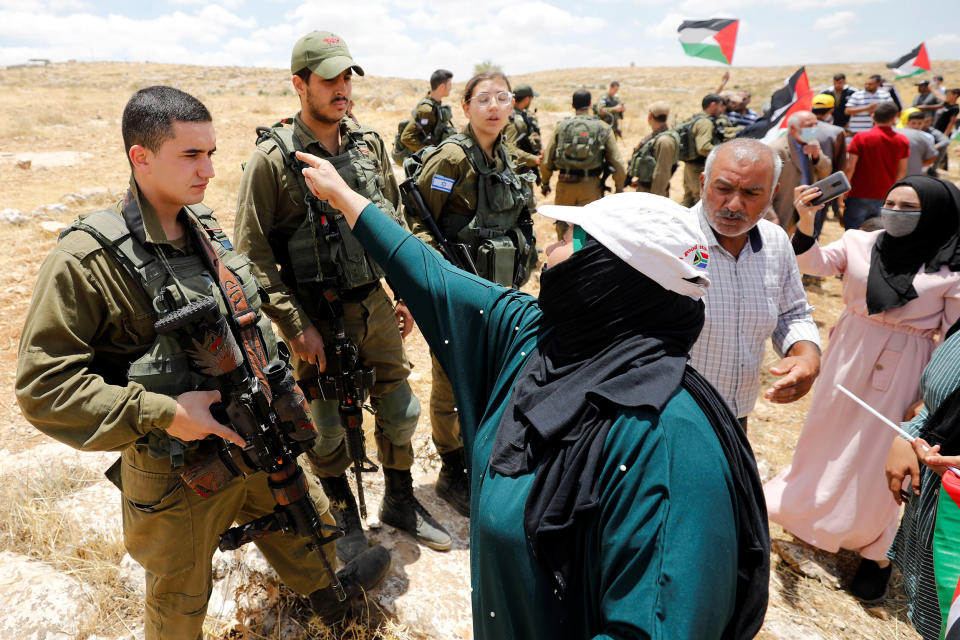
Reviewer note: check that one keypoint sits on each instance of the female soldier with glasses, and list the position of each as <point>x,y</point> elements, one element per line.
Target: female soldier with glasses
<point>471,188</point>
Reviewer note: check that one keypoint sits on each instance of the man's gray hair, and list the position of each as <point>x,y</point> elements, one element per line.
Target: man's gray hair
<point>749,150</point>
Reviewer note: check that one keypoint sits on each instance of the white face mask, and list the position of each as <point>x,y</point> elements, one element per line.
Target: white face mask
<point>899,223</point>
<point>808,134</point>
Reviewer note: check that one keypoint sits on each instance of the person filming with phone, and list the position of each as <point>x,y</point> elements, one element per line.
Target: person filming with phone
<point>804,162</point>
<point>901,290</point>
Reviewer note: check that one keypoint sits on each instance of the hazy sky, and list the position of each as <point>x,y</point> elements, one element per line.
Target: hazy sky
<point>410,38</point>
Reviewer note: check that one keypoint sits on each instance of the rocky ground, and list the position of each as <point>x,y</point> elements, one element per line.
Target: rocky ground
<point>63,571</point>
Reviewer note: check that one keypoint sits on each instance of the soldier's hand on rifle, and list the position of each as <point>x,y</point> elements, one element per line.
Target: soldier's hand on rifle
<point>308,346</point>
<point>193,421</point>
<point>404,319</point>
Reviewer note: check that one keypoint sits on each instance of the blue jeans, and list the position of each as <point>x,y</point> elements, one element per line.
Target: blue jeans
<point>858,210</point>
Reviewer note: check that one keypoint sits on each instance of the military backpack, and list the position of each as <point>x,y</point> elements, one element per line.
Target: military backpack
<point>442,129</point>
<point>687,148</point>
<point>643,162</point>
<point>581,142</point>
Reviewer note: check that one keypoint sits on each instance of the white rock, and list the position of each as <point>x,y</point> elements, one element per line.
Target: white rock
<point>40,603</point>
<point>52,226</point>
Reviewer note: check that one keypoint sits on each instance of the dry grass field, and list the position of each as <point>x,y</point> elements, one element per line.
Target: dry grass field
<point>60,145</point>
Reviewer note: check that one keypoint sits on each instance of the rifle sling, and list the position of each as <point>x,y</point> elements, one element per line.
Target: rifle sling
<point>243,316</point>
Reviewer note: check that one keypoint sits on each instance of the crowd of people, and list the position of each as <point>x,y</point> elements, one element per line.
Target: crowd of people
<point>564,422</point>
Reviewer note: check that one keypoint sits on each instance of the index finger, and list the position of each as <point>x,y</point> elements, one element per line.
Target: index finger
<point>309,158</point>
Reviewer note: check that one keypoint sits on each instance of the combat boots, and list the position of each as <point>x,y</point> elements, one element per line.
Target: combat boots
<point>453,483</point>
<point>343,506</point>
<point>361,574</point>
<point>401,509</point>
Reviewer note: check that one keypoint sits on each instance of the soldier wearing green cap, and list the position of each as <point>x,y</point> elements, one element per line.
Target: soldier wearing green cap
<point>307,264</point>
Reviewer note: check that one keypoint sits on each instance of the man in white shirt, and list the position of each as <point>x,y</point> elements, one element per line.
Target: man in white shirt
<point>755,290</point>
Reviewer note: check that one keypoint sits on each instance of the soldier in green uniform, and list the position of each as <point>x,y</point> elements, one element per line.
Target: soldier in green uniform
<point>522,133</point>
<point>583,150</point>
<point>431,122</point>
<point>471,188</point>
<point>705,137</point>
<point>655,158</point>
<point>319,260</point>
<point>610,108</point>
<point>94,374</point>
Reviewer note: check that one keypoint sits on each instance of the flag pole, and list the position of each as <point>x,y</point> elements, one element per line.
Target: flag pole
<point>903,434</point>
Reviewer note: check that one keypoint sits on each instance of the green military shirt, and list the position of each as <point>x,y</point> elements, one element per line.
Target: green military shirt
<point>665,151</point>
<point>423,121</point>
<point>512,132</point>
<point>87,321</point>
<point>704,136</point>
<point>611,155</point>
<point>606,102</point>
<point>270,201</point>
<point>451,161</point>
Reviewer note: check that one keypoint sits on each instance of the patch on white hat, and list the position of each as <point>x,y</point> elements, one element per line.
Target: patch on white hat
<point>656,236</point>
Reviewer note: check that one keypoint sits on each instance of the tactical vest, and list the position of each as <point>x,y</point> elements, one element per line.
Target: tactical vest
<point>527,124</point>
<point>442,129</point>
<point>310,259</point>
<point>643,162</point>
<point>606,100</point>
<point>581,142</point>
<point>492,233</point>
<point>165,368</point>
<point>687,150</point>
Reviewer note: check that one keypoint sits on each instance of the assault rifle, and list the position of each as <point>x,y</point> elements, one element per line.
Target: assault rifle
<point>272,417</point>
<point>525,245</point>
<point>350,385</point>
<point>456,253</point>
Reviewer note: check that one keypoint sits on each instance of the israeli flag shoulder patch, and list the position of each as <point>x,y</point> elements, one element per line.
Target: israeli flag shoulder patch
<point>442,183</point>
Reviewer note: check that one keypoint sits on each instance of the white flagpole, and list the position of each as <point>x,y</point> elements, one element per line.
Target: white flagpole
<point>906,436</point>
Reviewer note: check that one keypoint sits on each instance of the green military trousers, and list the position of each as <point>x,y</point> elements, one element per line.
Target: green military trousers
<point>372,326</point>
<point>576,194</point>
<point>443,410</point>
<point>691,181</point>
<point>173,533</point>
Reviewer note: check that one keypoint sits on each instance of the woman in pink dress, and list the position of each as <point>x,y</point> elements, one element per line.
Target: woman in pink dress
<point>901,290</point>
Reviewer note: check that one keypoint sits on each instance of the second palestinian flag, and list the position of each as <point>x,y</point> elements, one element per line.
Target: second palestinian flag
<point>946,557</point>
<point>712,39</point>
<point>910,64</point>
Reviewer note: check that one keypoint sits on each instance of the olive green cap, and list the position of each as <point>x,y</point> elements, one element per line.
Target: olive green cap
<point>522,91</point>
<point>324,53</point>
<point>659,108</point>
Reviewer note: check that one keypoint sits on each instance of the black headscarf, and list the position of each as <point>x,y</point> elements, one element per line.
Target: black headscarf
<point>613,339</point>
<point>895,261</point>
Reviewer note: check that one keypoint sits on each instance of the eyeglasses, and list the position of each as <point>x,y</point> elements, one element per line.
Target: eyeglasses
<point>483,99</point>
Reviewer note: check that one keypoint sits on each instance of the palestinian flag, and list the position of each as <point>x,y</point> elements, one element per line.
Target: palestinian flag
<point>795,95</point>
<point>910,64</point>
<point>712,39</point>
<point>946,555</point>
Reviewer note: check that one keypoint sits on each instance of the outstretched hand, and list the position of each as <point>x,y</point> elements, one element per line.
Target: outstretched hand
<point>325,183</point>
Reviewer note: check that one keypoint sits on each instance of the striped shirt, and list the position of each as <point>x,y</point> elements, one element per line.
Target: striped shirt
<point>752,297</point>
<point>743,119</point>
<point>863,121</point>
<point>912,550</point>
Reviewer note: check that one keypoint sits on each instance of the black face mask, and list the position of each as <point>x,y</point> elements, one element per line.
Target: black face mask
<point>594,299</point>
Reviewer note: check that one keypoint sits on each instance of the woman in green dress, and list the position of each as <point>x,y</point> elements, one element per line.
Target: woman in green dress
<point>613,493</point>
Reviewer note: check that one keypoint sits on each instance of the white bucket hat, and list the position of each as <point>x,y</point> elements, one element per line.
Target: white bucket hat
<point>656,236</point>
